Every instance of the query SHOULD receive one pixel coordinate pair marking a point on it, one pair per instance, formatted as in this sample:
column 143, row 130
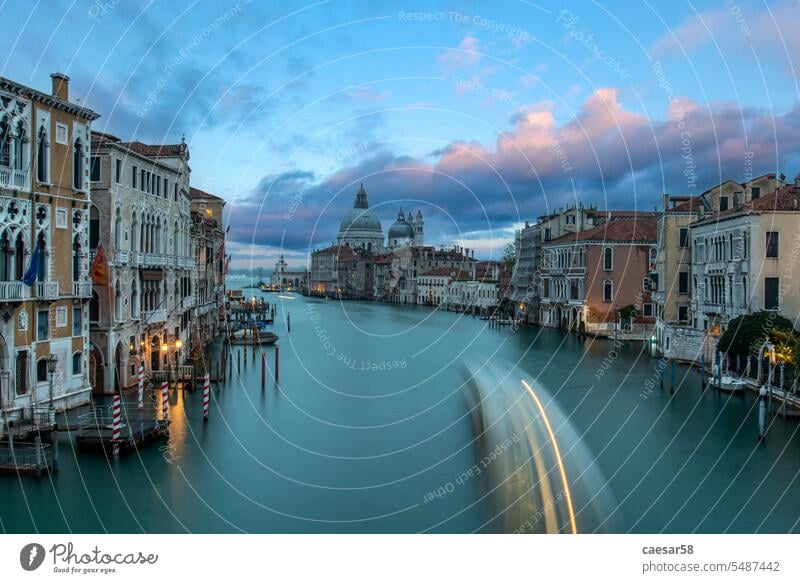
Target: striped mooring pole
column 117, row 426
column 165, row 400
column 140, row 402
column 206, row 397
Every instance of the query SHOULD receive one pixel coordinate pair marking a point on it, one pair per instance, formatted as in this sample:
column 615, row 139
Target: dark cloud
column 606, row 155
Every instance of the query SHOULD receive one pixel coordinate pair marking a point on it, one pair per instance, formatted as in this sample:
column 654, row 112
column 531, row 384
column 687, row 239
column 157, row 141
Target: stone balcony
column 82, row 289
column 154, row 316
column 46, row 290
column 13, row 291
column 12, row 178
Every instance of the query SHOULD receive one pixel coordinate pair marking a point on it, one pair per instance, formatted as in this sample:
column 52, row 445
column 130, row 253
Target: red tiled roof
column 103, row 137
column 783, row 199
column 443, row 271
column 625, row 229
column 691, row 205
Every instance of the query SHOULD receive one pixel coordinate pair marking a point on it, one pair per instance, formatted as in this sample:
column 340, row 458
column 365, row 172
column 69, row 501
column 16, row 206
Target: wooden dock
column 95, row 432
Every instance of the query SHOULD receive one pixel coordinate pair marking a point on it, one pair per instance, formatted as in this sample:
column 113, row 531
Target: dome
column 359, row 220
column 401, row 231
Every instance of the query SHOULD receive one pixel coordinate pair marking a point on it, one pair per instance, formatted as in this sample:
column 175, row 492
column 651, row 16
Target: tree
column 746, row 334
column 509, row 256
column 628, row 312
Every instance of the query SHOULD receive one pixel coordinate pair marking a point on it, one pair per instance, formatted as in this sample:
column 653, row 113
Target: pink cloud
column 468, row 54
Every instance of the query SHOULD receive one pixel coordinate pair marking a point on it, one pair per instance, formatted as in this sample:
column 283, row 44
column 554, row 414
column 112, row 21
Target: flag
column 29, row 278
column 99, row 271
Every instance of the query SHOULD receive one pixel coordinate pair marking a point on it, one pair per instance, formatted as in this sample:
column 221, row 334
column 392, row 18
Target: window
column 61, row 218
column 42, row 324
column 77, row 363
column 61, row 317
column 77, row 165
column 21, row 372
column 62, row 134
column 755, row 192
column 570, row 219
column 94, row 169
column 134, row 175
column 647, row 310
column 608, row 259
column 41, row 370
column 683, row 314
column 684, row 237
column 118, row 171
column 166, row 188
column 77, row 321
column 723, row 203
column 771, row 299
column 683, row 282
column 608, row 290
column 42, row 158
column 772, row 244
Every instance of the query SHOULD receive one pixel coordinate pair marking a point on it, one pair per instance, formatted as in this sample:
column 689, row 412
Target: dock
column 139, row 428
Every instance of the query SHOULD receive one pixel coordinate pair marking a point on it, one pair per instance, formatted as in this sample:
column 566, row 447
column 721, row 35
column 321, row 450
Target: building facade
column 140, row 217
column 45, row 142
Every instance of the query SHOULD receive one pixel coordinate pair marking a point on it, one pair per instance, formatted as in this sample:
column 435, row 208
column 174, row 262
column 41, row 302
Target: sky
column 481, row 115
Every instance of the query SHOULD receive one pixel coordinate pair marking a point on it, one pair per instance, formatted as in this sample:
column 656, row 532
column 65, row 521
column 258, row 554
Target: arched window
column 118, row 230
column 21, row 372
column 6, row 253
column 20, row 140
column 77, row 165
column 608, row 259
column 19, row 257
column 5, row 142
column 745, row 291
column 134, row 232
column 77, row 363
column 76, row 260
column 117, row 302
column 608, row 290
column 42, row 158
column 94, row 308
column 41, row 370
column 134, row 299
column 94, row 227
column 41, row 243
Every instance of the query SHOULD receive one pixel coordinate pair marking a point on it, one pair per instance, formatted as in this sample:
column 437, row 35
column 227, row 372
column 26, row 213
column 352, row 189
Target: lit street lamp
column 52, row 362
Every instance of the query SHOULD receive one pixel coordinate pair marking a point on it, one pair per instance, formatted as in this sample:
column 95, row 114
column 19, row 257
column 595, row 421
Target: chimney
column 60, row 86
column 666, row 201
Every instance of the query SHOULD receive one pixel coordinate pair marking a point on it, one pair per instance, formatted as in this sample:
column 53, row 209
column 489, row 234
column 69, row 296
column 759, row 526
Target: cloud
column 467, row 55
column 606, row 155
column 771, row 32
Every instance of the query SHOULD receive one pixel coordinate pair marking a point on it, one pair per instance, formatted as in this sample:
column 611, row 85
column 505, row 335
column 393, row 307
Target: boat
column 245, row 336
column 731, row 384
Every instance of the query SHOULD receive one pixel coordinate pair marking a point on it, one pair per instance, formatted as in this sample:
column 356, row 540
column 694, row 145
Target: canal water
column 369, row 430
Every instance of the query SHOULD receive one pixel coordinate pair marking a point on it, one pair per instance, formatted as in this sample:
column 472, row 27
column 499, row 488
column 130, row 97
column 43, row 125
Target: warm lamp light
column 164, row 347
column 178, row 344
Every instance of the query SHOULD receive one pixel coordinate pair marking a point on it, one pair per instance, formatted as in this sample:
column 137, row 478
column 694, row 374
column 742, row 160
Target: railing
column 153, row 316
column 47, row 290
column 12, row 178
column 121, row 257
column 13, row 291
column 25, row 457
column 82, row 289
column 188, row 302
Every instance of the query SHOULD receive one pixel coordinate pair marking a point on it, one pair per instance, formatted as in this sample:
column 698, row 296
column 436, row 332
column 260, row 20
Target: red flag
column 99, row 271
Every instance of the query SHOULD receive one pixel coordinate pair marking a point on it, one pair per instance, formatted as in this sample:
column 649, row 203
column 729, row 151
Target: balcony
column 13, row 291
column 11, row 178
column 154, row 316
column 46, row 290
column 188, row 302
column 121, row 257
column 82, row 289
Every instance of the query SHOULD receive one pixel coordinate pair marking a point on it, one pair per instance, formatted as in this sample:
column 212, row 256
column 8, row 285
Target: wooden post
column 263, row 370
column 54, row 444
column 239, row 361
column 277, row 359
column 37, row 445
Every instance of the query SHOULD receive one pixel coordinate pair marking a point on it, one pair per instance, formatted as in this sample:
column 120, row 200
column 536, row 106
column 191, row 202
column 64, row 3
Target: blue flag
column 33, row 269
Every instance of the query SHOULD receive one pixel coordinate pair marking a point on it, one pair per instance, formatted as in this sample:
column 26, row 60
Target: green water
column 369, row 419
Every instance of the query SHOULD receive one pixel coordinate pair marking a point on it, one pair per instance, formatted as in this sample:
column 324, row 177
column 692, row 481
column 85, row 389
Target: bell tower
column 419, row 230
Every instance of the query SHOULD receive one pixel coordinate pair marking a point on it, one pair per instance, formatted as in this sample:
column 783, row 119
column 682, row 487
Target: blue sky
column 483, row 115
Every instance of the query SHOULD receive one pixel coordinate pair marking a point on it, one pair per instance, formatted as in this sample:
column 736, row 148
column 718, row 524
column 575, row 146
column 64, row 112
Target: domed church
column 360, row 228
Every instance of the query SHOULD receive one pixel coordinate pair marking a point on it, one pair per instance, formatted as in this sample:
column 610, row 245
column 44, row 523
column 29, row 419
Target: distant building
column 287, row 279
column 406, row 231
column 589, row 276
column 360, row 228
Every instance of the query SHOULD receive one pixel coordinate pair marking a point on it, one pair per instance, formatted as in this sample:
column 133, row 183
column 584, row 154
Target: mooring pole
column 37, row 444
column 239, row 361
column 762, row 412
column 277, row 360
column 702, row 372
column 263, row 370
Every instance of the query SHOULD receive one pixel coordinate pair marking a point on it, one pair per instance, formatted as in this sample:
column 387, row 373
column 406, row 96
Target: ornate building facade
column 44, row 227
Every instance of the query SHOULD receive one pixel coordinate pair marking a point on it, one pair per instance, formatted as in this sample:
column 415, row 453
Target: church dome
column 360, row 227
column 401, row 229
